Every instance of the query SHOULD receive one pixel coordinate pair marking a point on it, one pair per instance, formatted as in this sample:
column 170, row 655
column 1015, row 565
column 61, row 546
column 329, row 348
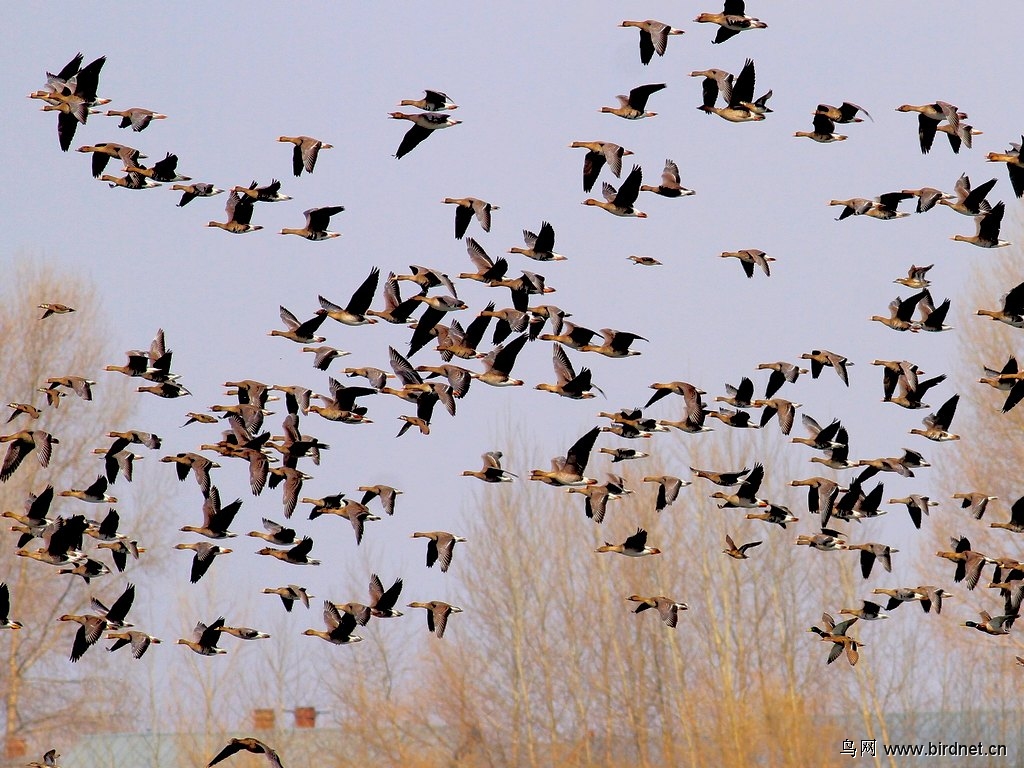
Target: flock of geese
column 285, row 461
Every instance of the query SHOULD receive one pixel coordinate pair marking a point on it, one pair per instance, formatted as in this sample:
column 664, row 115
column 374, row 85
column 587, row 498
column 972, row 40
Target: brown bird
column 305, row 153
column 667, row 608
column 740, row 552
column 437, row 615
column 441, row 546
column 249, row 745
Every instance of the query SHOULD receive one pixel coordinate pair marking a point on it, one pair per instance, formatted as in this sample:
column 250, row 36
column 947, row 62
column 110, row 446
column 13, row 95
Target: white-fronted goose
column 1012, row 312
column 868, row 611
column 204, row 638
column 540, row 246
column 190, row 192
column 21, row 444
column 963, row 134
column 354, row 313
column 615, row 343
column 883, row 207
column 432, row 101
column 324, row 356
column 1016, row 521
column 937, row 424
column 568, row 470
column 653, row 37
column 162, row 170
column 139, row 641
column 915, row 277
column 340, row 627
column 620, row 201
column 870, row 552
column 317, row 221
column 382, row 602
column 824, row 130
column 644, row 261
column 901, row 312
column 668, row 489
column 826, row 541
column 596, row 497
column 899, row 595
column 492, row 471
column 54, row 309
column 90, row 631
column 271, row 193
column 94, row 494
column 668, row 609
column 969, row 202
column 77, row 384
column 844, row 113
column 785, row 409
column 275, row 534
column 239, row 213
column 137, row 118
column 245, row 633
column 928, row 119
column 305, row 153
column 987, row 229
column 741, row 97
column 104, row 151
column 746, row 495
column 5, row 609
column 598, row 154
column 670, row 185
column 499, row 364
column 385, row 493
column 424, row 124
column 467, row 208
column 974, row 502
column 735, row 419
column 297, row 555
column 821, row 358
column 781, row 373
column 249, row 744
column 1014, row 165
column 427, row 278
column 205, row 552
column 437, row 614
column 623, row 454
column 633, row 106
column 716, row 82
column 22, row 408
column 740, row 552
column 132, row 180
column 969, row 562
column 732, row 20
column 290, row 594
column 633, row 546
column 569, row 384
column 927, row 198
column 301, row 333
column 440, row 547
column 933, row 317
column 750, row 258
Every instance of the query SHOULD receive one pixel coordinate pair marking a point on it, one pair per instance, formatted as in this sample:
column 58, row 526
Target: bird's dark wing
column 639, row 95
column 630, row 188
column 743, row 88
column 363, row 297
column 411, row 140
column 579, row 454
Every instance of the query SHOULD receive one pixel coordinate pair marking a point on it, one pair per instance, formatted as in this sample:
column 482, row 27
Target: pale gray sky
column 529, row 79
